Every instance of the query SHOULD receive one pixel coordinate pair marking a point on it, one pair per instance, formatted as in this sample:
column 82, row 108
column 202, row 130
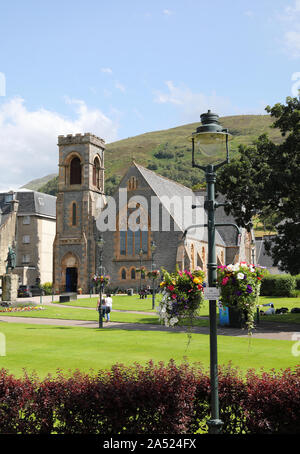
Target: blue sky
column 119, row 69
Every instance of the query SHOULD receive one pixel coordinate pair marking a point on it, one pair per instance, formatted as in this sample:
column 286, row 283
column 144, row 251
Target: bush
column 149, row 399
column 47, row 287
column 297, row 277
column 278, row 285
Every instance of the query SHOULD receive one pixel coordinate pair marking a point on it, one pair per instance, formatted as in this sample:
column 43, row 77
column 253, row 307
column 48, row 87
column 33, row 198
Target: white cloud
column 191, row 104
column 168, row 12
column 120, row 86
column 292, row 43
column 28, row 139
column 106, row 70
column 289, row 20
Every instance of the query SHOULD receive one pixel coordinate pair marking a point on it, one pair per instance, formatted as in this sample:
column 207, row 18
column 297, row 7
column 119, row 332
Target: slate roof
column 31, row 202
column 167, row 189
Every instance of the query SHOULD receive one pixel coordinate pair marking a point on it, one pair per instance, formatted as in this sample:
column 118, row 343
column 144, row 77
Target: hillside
column 168, row 152
column 34, row 185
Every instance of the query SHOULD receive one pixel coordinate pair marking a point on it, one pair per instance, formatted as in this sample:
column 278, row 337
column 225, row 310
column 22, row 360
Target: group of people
column 144, row 292
column 106, row 306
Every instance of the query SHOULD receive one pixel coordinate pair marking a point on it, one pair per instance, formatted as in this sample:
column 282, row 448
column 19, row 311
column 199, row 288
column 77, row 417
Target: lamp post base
column 215, row 426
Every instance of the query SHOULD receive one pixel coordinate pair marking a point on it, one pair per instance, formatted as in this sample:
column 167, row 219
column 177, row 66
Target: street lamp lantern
column 100, row 243
column 210, row 139
column 153, row 247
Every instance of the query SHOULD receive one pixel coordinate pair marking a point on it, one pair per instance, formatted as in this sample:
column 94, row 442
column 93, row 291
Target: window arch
column 96, row 172
column 130, row 243
column 132, row 273
column 75, row 171
column 74, row 213
column 123, row 273
column 132, row 183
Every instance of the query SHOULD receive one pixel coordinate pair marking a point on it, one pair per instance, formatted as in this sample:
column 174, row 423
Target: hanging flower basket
column 154, row 274
column 182, row 296
column 100, row 280
column 239, row 286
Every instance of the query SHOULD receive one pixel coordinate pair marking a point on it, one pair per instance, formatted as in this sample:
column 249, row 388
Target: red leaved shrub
column 149, row 399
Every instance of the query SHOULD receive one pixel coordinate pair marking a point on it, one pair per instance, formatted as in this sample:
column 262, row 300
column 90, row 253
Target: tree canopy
column 265, row 180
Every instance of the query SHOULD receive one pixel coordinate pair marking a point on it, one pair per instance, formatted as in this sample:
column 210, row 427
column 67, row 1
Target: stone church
column 161, row 210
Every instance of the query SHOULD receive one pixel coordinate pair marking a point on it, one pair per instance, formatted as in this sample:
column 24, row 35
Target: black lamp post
column 153, row 248
column 141, row 254
column 212, row 141
column 100, row 244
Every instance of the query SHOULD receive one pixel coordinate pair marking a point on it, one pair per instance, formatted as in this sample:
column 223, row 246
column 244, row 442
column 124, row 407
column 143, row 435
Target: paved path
column 265, row 330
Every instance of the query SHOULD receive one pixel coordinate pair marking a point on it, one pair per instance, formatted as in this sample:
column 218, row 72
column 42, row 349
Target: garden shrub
column 47, row 287
column 278, row 285
column 151, row 399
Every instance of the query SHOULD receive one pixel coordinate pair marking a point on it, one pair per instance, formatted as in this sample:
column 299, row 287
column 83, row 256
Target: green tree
column 265, row 180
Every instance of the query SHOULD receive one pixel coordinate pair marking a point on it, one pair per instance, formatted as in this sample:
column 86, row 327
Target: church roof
column 166, row 190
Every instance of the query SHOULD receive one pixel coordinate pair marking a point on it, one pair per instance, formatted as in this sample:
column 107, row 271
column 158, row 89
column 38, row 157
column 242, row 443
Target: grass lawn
column 133, row 303
column 45, row 349
column 69, row 313
column 279, row 302
column 120, row 302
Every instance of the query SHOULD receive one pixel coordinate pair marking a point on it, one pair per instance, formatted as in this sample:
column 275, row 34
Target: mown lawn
column 133, row 303
column 45, row 349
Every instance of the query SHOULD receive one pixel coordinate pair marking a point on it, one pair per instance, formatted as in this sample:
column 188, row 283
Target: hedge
column 149, row 399
column 278, row 285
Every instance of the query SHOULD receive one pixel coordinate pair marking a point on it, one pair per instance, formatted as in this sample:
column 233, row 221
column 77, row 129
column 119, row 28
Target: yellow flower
column 197, row 280
column 162, row 283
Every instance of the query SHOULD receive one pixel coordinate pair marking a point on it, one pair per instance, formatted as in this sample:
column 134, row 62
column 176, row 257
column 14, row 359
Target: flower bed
column 22, row 309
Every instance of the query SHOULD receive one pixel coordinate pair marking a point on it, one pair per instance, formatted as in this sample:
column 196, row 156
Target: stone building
column 163, row 209
column 27, row 224
column 80, row 198
column 146, row 209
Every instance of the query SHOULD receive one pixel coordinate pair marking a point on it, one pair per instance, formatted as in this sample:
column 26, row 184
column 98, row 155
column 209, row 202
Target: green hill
column 168, row 152
column 34, row 185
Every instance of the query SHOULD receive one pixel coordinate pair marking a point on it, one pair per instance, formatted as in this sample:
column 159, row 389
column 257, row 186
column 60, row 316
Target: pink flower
column 225, row 280
column 171, row 288
column 174, row 296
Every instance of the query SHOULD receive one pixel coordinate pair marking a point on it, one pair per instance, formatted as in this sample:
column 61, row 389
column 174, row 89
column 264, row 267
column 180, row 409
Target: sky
column 120, row 68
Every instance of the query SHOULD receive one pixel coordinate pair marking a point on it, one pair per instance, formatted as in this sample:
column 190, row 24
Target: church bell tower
column 80, row 199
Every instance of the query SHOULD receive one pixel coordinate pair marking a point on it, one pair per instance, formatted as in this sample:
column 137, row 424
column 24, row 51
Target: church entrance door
column 71, row 279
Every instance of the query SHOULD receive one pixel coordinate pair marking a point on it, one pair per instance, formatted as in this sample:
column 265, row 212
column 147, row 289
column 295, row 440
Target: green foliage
column 51, row 187
column 264, row 180
column 278, row 285
column 47, row 287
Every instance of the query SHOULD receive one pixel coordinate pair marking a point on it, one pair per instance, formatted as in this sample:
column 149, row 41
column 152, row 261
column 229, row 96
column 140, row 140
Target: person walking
column 108, row 306
column 103, row 307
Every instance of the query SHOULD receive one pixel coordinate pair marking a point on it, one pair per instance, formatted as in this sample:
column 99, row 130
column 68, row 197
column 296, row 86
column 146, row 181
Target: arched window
column 75, row 171
column 123, row 273
column 132, row 183
column 74, row 213
column 96, row 173
column 132, row 273
column 132, row 242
